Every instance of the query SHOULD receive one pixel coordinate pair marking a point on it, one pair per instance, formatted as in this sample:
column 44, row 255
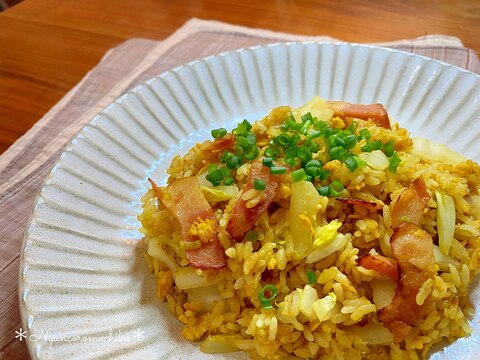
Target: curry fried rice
column 322, row 232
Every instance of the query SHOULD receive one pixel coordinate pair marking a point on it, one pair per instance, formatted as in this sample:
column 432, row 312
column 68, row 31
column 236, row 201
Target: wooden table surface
column 47, row 46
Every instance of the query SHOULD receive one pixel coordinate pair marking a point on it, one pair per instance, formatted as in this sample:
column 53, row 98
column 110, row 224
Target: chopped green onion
column 228, row 180
column 314, row 163
column 307, row 117
column 291, row 152
column 312, row 278
column 266, row 295
column 393, row 162
column 335, row 188
column 218, row 133
column 353, row 126
column 253, row 154
column 238, row 150
column 323, row 174
column 299, row 175
column 277, row 170
column 350, row 141
column 304, row 154
column 377, row 145
column 314, row 134
column 323, row 190
column 234, row 162
column 225, row 171
column 314, row 147
column 364, row 134
column 305, row 126
column 351, row 163
column 338, row 141
column 212, row 168
column 292, row 124
column 284, row 127
column 367, row 148
column 267, row 162
column 361, row 163
column 225, row 156
column 388, row 148
column 291, row 161
column 242, row 142
column 271, row 153
column 251, row 235
column 282, row 139
column 295, row 139
column 242, row 128
column 336, row 152
column 259, row 184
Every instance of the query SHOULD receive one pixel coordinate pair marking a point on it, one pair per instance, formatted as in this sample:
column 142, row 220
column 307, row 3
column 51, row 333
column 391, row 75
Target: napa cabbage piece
column 216, row 193
column 445, row 221
column 155, row 250
column 338, row 242
column 383, row 292
column 298, row 301
column 430, row 151
column 324, row 235
column 376, row 159
column 219, row 193
column 317, row 107
column 187, row 278
column 474, row 202
column 309, row 296
column 305, row 202
column 206, row 296
column 219, row 344
column 373, row 334
column 323, row 307
column 291, row 304
column 443, row 260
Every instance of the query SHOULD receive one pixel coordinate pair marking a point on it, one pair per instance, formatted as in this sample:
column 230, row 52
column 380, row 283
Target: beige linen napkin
column 24, row 166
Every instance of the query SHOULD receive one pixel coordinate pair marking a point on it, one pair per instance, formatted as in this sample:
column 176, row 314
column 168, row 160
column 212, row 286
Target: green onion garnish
column 242, row 128
column 323, row 174
column 271, row 153
column 351, row 163
column 259, row 184
column 393, row 162
column 282, row 139
column 218, row 133
column 267, row 162
column 277, row 170
column 312, row 278
column 228, row 180
column 335, row 188
column 388, row 148
column 307, row 117
column 350, row 141
column 266, row 296
column 323, row 190
column 299, row 175
column 364, row 134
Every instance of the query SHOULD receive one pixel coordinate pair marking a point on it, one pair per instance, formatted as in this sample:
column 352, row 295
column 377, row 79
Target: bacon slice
column 184, row 198
column 242, row 218
column 411, row 204
column 413, row 249
column 381, row 264
column 371, row 205
column 376, row 112
column 217, row 145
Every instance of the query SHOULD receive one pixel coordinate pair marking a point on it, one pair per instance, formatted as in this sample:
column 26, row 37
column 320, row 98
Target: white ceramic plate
column 84, row 293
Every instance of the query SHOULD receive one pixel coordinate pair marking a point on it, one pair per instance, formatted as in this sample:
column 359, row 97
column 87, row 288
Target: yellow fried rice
column 222, row 309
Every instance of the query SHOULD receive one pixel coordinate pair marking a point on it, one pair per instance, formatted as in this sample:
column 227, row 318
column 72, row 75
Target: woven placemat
column 25, row 165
